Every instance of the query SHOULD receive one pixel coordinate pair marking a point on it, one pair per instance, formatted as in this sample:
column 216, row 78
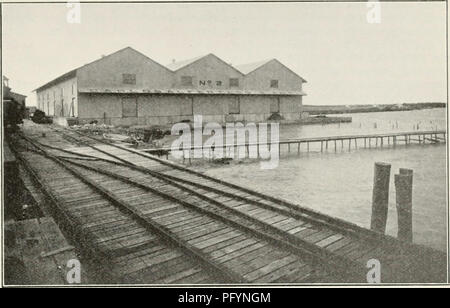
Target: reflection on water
column 340, row 183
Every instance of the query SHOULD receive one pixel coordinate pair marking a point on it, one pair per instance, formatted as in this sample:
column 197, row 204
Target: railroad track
column 119, row 242
column 216, row 249
column 339, row 251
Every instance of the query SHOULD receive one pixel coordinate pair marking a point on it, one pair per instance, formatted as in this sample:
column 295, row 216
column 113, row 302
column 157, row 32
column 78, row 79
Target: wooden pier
column 346, row 142
column 149, row 220
column 371, row 140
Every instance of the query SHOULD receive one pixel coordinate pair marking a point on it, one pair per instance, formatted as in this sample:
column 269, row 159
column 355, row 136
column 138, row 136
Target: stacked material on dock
column 325, row 120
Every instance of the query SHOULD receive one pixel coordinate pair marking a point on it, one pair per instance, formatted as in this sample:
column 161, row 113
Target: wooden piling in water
column 405, row 171
column 380, row 197
column 403, row 194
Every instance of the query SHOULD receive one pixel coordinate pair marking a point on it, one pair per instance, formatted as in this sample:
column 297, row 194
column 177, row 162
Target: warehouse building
column 129, row 88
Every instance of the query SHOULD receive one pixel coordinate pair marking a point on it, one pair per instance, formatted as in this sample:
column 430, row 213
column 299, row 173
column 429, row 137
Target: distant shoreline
column 340, row 109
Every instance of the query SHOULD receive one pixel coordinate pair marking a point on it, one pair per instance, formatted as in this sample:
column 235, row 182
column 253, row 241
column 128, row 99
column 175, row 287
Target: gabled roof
column 243, row 69
column 251, row 67
column 175, row 66
column 73, row 72
column 17, row 95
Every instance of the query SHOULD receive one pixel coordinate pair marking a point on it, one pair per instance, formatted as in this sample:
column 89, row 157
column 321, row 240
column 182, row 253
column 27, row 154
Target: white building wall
column 57, row 100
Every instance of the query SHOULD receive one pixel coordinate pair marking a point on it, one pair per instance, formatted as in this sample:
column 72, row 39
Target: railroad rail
column 197, row 234
column 327, row 249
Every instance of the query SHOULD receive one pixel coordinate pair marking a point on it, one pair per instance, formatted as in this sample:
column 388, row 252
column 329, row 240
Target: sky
column 344, row 59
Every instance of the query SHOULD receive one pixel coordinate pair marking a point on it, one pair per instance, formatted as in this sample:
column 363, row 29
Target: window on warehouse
column 234, row 82
column 129, row 78
column 186, row 81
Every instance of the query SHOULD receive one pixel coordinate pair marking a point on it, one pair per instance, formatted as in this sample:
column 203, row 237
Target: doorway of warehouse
column 129, row 107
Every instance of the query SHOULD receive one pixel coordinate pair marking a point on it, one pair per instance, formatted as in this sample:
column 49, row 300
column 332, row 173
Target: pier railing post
column 403, row 194
column 380, row 197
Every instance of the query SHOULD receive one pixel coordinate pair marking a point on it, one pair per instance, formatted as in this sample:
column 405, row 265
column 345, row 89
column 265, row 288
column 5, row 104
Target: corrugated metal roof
column 250, row 67
column 191, row 91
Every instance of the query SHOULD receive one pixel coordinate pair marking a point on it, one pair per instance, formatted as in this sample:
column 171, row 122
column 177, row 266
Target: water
column 340, row 183
column 372, row 123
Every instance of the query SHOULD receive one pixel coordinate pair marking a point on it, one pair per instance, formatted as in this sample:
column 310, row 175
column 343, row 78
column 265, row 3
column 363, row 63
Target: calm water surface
column 340, row 183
